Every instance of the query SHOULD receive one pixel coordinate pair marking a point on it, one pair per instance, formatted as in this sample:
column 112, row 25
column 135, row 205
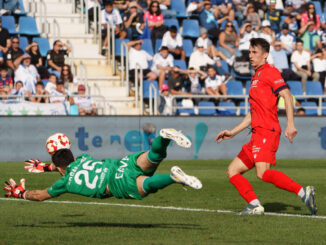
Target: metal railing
column 56, row 30
column 111, row 47
column 137, row 83
column 82, row 73
column 152, row 89
column 124, row 67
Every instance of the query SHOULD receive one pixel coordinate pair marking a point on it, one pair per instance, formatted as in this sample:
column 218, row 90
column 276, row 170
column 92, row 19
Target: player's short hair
column 260, row 42
column 299, row 40
column 62, row 158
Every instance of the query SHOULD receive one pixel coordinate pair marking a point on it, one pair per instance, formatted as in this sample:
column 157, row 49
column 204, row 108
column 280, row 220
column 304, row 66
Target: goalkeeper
column 131, row 177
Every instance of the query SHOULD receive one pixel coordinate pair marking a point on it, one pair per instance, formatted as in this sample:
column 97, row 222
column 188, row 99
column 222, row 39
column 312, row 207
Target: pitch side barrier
column 117, row 136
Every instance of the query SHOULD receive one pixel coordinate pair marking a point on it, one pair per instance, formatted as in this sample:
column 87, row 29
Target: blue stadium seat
column 172, row 22
column 22, row 8
column 43, row 45
column 243, row 110
column 158, row 44
column 248, row 84
column 146, row 88
column 188, row 47
column 314, row 88
column 148, row 46
column 206, row 111
column 235, row 24
column 9, row 23
column 185, row 111
column 224, row 69
column 181, row 64
column 295, row 87
column 27, row 26
column 23, row 43
column 229, row 111
column 318, row 8
column 324, row 109
column 190, row 28
column 179, row 6
column 234, row 87
column 118, row 46
column 310, row 111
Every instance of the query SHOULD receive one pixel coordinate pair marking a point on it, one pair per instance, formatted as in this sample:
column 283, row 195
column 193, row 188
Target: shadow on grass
column 121, row 225
column 278, row 207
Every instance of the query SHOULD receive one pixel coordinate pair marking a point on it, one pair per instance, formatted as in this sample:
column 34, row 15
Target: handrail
column 137, row 84
column 32, row 7
column 56, row 30
column 43, row 20
column 152, row 88
column 124, row 68
column 72, row 58
column 83, row 76
column 114, row 68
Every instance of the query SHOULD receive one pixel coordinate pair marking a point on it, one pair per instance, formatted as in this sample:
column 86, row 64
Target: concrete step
column 56, row 7
column 60, row 18
column 91, row 61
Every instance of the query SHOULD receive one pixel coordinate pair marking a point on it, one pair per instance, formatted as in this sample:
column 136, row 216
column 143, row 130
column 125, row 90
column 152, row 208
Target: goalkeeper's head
column 62, row 158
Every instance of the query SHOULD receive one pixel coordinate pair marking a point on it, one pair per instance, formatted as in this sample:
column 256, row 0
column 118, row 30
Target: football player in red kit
column 267, row 85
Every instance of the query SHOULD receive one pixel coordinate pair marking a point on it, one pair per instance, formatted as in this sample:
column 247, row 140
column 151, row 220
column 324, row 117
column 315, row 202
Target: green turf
column 50, row 223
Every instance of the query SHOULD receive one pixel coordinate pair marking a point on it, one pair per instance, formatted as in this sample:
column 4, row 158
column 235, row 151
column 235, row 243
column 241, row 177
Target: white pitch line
column 166, row 208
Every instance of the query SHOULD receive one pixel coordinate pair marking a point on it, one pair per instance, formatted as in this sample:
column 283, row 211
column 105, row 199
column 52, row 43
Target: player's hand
column 223, row 135
column 290, row 133
column 35, row 166
column 15, row 190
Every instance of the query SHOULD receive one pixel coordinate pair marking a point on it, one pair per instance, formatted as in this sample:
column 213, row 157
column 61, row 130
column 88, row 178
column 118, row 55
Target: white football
column 56, row 142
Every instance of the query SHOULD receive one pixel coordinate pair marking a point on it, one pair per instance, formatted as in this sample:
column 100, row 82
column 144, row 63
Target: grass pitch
column 23, row 222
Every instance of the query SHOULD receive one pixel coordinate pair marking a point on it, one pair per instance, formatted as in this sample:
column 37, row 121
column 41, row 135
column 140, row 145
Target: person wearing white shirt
column 319, row 62
column 86, row 105
column 287, row 39
column 51, row 84
column 200, row 59
column 246, row 33
column 27, row 73
column 111, row 17
column 59, row 95
column 300, row 60
column 214, row 84
column 139, row 57
column 266, row 32
column 173, row 40
column 162, row 64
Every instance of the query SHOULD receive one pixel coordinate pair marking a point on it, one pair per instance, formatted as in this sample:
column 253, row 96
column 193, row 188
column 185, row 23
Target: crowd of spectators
column 296, row 33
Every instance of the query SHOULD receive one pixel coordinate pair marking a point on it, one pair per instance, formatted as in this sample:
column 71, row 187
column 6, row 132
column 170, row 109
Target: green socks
column 156, row 182
column 158, row 150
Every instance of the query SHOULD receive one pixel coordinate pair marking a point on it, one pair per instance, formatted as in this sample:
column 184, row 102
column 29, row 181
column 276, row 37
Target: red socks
column 281, row 181
column 244, row 187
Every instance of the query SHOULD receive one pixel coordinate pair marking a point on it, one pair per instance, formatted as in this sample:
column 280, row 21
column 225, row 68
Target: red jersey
column 265, row 86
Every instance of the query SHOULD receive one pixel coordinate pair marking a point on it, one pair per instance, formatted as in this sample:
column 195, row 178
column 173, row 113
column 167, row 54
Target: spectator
column 121, row 5
column 165, row 103
column 14, row 55
column 66, row 76
column 27, row 73
column 319, row 64
column 260, row 7
column 194, row 7
column 86, row 105
column 208, row 20
column 301, row 64
column 297, row 4
column 154, row 19
column 287, row 39
column 310, row 15
column 60, row 93
column 9, row 5
column 19, row 89
column 111, row 17
column 91, row 7
column 164, row 4
column 176, row 82
column 273, row 16
column 223, row 10
column 279, row 55
column 253, row 17
column 52, row 84
column 133, row 22
column 56, row 57
column 5, row 41
column 195, row 78
column 199, row 59
column 6, row 82
column 292, row 17
column 40, row 91
column 162, row 64
column 33, row 50
column 229, row 41
column 140, row 57
column 246, row 33
column 173, row 40
column 310, row 37
column 266, row 32
column 214, row 84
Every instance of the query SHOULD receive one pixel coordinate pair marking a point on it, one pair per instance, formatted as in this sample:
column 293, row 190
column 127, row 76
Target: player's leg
column 282, row 181
column 150, row 159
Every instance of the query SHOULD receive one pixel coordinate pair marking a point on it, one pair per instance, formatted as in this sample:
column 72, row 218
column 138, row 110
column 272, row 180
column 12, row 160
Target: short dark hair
column 299, row 40
column 62, row 158
column 39, row 83
column 164, row 48
column 108, row 3
column 55, row 42
column 3, row 68
column 173, row 29
column 211, row 67
column 261, row 42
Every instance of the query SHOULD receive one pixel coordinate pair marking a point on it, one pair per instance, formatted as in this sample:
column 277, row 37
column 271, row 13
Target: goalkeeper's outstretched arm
column 37, row 195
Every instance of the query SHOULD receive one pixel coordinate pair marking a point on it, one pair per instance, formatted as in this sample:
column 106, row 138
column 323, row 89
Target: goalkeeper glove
column 15, row 190
column 35, row 166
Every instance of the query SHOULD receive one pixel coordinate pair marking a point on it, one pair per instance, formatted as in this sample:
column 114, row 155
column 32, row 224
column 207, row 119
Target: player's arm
column 227, row 134
column 18, row 191
column 290, row 131
column 36, row 166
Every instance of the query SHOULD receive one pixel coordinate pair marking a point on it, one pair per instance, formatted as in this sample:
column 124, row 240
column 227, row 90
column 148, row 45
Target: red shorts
column 261, row 148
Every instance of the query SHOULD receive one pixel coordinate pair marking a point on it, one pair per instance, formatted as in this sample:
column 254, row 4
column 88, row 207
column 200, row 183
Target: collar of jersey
column 260, row 67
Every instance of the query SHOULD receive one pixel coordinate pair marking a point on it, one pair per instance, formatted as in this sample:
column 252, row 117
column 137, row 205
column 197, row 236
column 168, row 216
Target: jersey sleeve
column 276, row 81
column 58, row 187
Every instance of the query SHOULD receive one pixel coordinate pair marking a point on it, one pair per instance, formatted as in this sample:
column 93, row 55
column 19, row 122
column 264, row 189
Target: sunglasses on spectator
column 229, row 25
column 15, row 42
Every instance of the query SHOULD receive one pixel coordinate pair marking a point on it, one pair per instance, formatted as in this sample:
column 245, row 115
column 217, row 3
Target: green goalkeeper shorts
column 122, row 180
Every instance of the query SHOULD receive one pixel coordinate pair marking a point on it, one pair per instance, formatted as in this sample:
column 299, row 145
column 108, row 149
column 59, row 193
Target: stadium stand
column 27, row 26
column 206, row 108
column 44, row 45
column 310, row 107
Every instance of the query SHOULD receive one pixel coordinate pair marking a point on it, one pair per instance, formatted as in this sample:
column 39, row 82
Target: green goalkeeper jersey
column 86, row 176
